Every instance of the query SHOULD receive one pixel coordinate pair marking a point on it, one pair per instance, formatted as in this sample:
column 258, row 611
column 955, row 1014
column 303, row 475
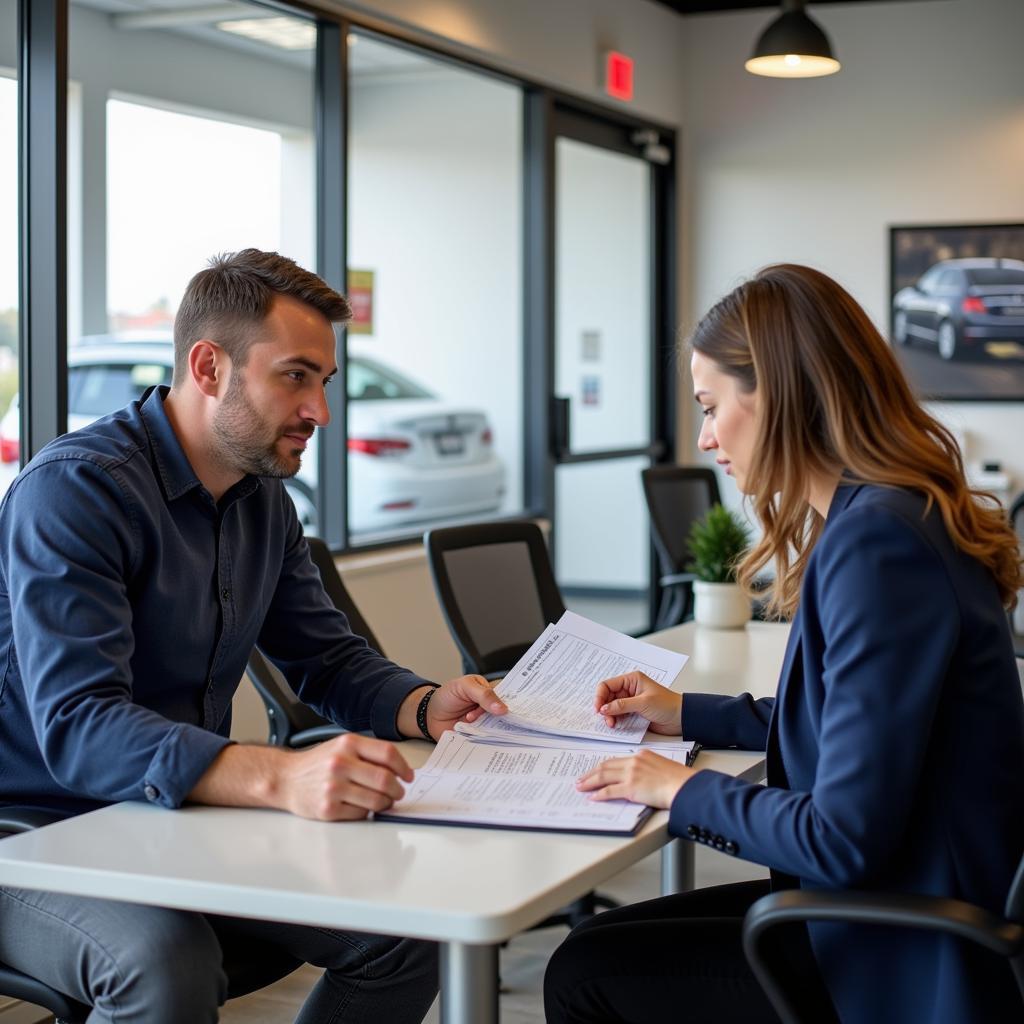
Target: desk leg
column 676, row 867
column 469, row 984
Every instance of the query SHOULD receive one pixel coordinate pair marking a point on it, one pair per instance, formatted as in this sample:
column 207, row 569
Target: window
column 434, row 249
column 175, row 168
column 9, row 447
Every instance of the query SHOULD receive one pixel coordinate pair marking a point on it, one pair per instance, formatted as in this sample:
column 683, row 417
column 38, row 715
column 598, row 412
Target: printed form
column 519, row 770
column 551, row 688
column 476, row 782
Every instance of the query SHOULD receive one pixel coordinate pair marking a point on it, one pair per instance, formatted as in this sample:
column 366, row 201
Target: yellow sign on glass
column 360, row 295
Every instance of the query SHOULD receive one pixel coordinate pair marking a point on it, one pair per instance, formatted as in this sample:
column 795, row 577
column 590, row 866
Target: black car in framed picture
column 957, row 308
column 962, row 306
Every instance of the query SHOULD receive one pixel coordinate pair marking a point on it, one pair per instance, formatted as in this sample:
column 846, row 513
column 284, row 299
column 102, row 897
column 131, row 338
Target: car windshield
column 370, row 382
column 996, row 275
column 97, row 389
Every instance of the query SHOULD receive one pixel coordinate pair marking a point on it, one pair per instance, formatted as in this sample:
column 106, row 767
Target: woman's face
column 730, row 418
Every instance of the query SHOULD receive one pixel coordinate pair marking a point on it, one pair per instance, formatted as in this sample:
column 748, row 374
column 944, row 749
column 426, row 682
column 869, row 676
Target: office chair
column 249, row 966
column 497, row 592
column 496, row 588
column 1002, row 935
column 677, row 496
column 292, row 723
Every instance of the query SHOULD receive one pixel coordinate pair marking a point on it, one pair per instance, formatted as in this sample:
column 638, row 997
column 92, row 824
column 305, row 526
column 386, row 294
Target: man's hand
column 460, row 700
column 463, row 699
column 343, row 779
column 636, row 692
column 645, row 778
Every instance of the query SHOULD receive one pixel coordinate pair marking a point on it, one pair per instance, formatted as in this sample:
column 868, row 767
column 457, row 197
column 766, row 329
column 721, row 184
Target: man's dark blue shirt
column 129, row 603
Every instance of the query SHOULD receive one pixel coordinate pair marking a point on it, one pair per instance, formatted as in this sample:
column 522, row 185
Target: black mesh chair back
column 677, row 496
column 292, row 723
column 496, row 588
column 336, row 591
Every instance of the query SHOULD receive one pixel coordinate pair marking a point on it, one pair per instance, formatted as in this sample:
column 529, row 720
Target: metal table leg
column 676, row 867
column 469, row 984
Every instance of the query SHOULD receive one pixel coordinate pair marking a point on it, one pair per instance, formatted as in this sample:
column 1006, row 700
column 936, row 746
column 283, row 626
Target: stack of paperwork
column 519, row 770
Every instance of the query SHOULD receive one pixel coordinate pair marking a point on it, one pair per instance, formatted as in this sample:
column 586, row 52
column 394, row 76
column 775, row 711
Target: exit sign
column 618, row 75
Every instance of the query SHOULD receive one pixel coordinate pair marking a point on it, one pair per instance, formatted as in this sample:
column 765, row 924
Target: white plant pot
column 720, row 605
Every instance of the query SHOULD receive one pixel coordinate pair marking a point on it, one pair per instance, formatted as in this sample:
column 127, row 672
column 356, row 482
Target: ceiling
column 720, row 6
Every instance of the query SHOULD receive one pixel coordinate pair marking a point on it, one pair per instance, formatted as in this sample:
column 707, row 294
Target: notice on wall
column 590, row 390
column 590, row 346
column 360, row 295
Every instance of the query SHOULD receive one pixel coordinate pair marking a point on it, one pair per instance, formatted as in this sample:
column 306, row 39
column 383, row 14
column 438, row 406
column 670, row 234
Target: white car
column 412, row 458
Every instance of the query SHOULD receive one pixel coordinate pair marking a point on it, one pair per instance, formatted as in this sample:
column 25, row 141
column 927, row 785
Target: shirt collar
column 845, row 493
column 176, row 472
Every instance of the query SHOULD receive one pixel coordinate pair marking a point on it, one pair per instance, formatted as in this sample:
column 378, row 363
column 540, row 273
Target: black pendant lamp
column 793, row 46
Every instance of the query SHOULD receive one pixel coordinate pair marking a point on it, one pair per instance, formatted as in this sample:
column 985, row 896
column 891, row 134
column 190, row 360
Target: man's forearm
column 244, row 775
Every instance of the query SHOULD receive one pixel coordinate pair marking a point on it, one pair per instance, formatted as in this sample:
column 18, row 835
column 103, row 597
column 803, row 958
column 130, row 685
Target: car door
column 919, row 308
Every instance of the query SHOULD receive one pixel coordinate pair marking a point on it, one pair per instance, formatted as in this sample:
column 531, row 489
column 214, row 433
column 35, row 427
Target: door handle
column 560, row 441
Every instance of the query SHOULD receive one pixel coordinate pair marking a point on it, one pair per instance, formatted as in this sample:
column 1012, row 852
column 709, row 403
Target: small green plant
column 716, row 543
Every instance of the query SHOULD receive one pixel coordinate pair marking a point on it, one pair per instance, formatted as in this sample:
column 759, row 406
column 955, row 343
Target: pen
column 692, row 755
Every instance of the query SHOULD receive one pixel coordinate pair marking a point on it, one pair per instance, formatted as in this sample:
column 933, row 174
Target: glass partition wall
column 435, row 255
column 9, row 446
column 500, row 259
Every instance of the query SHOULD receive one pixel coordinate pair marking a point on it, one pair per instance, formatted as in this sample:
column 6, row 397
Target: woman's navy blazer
column 895, row 750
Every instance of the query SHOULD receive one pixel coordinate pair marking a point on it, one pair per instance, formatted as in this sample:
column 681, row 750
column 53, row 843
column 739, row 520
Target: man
column 141, row 558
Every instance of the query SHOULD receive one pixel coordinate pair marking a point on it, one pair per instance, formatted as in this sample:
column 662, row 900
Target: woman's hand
column 636, row 692
column 645, row 778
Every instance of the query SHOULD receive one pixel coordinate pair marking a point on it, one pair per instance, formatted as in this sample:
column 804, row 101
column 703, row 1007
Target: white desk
column 470, row 889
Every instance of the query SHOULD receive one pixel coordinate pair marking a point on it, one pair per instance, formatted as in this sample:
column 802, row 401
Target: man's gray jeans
column 150, row 965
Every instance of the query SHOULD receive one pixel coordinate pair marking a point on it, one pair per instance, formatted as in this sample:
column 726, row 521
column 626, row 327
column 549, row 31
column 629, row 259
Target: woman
column 895, row 744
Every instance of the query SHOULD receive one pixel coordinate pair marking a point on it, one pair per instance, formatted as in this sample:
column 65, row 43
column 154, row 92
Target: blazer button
column 719, row 842
column 731, row 847
column 692, row 831
column 705, row 835
column 151, row 792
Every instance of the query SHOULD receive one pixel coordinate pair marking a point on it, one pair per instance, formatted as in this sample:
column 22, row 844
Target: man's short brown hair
column 229, row 300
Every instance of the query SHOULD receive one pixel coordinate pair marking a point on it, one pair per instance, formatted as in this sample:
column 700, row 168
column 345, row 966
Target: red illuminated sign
column 618, row 75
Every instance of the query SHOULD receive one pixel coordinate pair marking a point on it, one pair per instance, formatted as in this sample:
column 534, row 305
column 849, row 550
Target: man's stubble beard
column 243, row 440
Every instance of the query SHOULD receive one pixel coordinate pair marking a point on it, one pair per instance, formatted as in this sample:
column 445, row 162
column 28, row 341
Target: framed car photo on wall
column 957, row 309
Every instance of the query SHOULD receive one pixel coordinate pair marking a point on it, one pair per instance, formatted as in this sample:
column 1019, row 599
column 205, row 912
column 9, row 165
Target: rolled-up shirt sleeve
column 67, row 566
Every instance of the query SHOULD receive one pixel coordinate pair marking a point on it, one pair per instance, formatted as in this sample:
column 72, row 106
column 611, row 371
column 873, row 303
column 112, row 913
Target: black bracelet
column 421, row 712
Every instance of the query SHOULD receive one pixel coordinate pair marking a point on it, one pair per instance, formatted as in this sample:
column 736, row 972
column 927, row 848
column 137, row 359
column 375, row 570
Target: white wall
column 924, row 124
column 556, row 42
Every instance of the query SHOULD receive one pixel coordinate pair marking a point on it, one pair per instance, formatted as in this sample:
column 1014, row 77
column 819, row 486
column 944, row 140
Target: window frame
column 43, row 229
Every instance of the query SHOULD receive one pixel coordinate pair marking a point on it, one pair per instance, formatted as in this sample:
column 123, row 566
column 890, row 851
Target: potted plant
column 716, row 543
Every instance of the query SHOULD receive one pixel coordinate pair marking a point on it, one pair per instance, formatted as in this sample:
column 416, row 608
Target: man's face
column 276, row 399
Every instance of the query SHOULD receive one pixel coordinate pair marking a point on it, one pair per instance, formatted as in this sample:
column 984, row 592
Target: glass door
column 608, row 406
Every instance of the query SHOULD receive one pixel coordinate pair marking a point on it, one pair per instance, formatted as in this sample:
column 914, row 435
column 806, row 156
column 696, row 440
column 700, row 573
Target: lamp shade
column 793, row 46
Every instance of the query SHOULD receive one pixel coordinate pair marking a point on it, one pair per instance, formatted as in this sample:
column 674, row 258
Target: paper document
column 551, row 688
column 519, row 770
column 473, row 781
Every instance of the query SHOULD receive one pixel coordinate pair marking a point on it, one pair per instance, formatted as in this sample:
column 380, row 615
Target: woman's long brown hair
column 831, row 398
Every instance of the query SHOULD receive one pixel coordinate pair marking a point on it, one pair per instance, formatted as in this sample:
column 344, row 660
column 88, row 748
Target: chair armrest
column 675, row 579
column 319, row 733
column 789, row 994
column 23, row 819
column 901, row 910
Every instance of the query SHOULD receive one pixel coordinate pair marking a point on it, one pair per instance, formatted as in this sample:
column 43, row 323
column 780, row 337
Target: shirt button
column 226, row 593
column 152, row 793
